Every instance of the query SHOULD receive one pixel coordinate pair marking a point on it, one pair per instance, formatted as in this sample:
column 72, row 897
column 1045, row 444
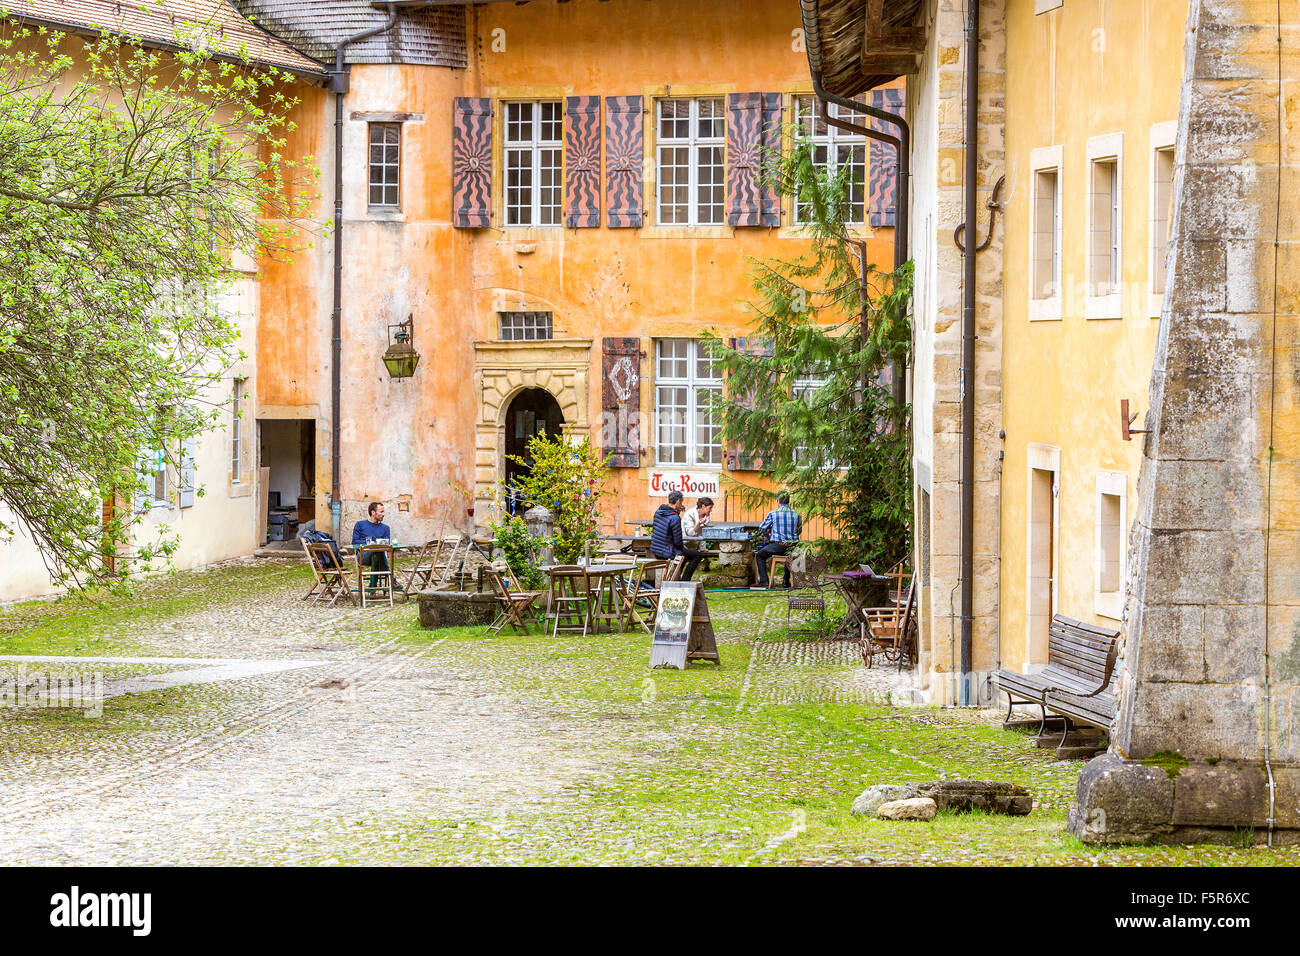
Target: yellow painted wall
column 1088, row 68
column 417, row 437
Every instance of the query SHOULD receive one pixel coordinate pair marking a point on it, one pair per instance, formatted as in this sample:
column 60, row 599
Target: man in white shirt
column 695, row 519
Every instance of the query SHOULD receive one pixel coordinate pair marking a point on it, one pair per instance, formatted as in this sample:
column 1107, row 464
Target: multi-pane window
column 1104, row 227
column 835, row 149
column 1047, row 234
column 236, row 430
column 519, row 326
column 534, row 163
column 385, row 164
column 688, row 430
column 1162, row 200
column 691, row 151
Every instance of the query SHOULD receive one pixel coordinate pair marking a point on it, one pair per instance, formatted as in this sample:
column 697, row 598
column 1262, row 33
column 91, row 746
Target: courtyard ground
column 355, row 736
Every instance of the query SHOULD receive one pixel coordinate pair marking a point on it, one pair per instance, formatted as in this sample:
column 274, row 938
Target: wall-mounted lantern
column 401, row 357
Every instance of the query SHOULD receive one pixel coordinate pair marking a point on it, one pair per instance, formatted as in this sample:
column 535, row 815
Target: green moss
column 1170, row 761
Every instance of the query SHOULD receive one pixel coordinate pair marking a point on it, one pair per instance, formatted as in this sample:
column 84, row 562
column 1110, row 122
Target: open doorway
column 534, row 411
column 287, row 448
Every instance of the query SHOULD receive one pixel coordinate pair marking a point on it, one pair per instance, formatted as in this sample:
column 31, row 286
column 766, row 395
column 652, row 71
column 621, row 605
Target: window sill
column 687, row 232
column 1045, row 310
column 1108, row 604
column 1155, row 304
column 1103, row 306
column 241, row 489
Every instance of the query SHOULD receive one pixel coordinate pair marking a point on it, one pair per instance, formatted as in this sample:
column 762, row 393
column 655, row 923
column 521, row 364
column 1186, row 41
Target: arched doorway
column 534, row 411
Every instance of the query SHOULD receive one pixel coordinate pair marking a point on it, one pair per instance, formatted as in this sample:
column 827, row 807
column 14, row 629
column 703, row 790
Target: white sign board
column 689, row 483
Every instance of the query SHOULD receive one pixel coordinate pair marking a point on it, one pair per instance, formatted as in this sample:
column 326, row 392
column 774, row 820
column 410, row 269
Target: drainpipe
column 338, row 85
column 902, row 144
column 968, row 349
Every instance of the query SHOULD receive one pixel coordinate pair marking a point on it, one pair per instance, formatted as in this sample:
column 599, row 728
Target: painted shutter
column 737, row 458
column 471, row 163
column 188, row 472
column 883, row 182
column 624, row 154
column 753, row 137
column 620, row 401
column 582, row 162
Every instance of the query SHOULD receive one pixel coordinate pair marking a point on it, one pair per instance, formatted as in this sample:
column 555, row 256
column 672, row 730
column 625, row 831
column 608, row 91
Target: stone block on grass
column 917, row 808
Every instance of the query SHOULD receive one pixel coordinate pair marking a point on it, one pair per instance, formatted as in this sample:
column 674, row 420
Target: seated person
column 666, row 535
column 783, row 527
column 366, row 532
column 693, row 521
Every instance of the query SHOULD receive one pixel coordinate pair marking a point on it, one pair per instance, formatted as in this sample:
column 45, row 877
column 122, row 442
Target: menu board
column 683, row 628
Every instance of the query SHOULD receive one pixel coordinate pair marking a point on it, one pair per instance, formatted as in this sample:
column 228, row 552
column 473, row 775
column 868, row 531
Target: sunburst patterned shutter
column 744, row 159
column 624, row 154
column 883, row 197
column 771, row 158
column 582, row 162
column 471, row 163
column 737, row 458
column 620, row 401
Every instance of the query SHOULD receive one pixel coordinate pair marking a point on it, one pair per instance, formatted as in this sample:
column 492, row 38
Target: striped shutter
column 624, row 154
column 753, row 138
column 620, row 401
column 883, row 181
column 471, row 163
column 582, row 162
column 737, row 458
column 188, row 472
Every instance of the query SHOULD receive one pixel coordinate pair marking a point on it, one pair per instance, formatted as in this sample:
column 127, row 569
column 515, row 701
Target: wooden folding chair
column 380, row 580
column 570, row 599
column 633, row 592
column 420, row 575
column 517, row 607
column 333, row 578
column 674, row 570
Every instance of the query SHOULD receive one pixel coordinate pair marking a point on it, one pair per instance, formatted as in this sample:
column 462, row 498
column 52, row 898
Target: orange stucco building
column 560, row 196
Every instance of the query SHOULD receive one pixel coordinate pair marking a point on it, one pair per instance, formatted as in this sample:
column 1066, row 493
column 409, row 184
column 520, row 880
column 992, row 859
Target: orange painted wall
column 416, row 437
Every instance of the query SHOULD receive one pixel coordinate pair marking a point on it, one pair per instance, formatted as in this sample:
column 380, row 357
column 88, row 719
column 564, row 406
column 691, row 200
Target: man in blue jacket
column 666, row 535
column 367, row 532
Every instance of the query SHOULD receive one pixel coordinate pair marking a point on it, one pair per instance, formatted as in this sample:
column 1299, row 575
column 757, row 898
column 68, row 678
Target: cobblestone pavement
column 306, row 765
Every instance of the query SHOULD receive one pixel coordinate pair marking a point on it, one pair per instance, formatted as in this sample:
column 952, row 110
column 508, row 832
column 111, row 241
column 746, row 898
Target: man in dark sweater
column 368, row 532
column 666, row 535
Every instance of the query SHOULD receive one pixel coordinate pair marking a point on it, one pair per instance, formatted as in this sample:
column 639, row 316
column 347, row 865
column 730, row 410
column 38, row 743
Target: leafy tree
column 512, row 537
column 129, row 178
column 813, row 404
column 567, row 479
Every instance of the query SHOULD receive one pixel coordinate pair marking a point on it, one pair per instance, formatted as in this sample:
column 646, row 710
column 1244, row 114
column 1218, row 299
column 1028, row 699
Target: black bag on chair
column 320, row 537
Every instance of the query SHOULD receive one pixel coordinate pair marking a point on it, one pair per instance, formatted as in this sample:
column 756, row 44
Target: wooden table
column 603, row 601
column 858, row 591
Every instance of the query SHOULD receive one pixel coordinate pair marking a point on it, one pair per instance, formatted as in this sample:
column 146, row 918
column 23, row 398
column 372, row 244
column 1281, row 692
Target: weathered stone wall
column 938, row 209
column 1210, row 683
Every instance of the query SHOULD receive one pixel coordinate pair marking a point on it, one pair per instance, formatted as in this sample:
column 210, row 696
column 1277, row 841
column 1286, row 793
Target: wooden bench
column 1078, row 682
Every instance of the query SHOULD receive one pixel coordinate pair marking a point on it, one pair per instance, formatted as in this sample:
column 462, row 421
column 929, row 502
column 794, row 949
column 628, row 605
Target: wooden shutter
column 620, row 401
column 624, row 154
column 737, row 458
column 582, row 162
column 753, row 137
column 188, row 470
column 471, row 163
column 883, row 182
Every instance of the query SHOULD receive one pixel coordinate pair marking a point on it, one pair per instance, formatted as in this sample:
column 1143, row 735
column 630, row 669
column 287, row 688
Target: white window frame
column 1163, row 137
column 1046, row 159
column 1041, row 458
column 543, row 155
column 237, row 432
column 1109, row 305
column 833, row 140
column 1111, row 603
column 383, row 165
column 532, row 325
column 695, row 386
column 694, row 144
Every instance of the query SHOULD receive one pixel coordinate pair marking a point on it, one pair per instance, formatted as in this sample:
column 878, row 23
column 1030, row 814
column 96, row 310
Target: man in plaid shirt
column 783, row 527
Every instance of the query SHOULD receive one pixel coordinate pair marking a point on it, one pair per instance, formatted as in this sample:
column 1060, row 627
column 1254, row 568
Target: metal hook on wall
column 995, row 206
